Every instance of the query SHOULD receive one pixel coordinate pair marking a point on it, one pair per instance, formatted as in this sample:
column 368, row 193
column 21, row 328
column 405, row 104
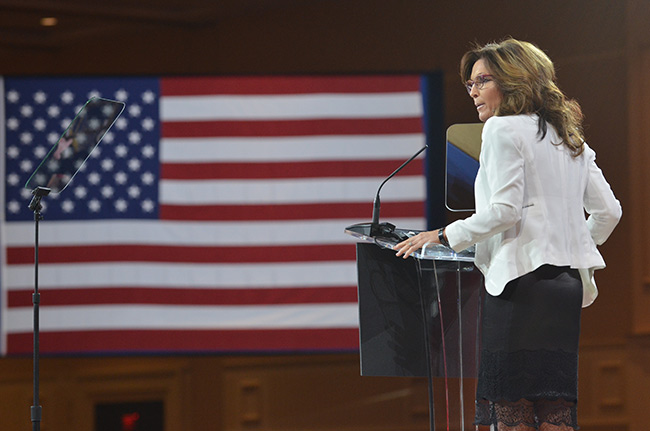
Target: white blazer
column 531, row 197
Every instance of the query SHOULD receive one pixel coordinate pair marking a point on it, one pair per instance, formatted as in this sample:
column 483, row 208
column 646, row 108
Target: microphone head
column 375, row 210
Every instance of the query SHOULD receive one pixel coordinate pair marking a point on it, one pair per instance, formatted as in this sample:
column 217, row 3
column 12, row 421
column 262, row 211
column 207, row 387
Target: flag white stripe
column 290, row 148
column 289, row 191
column 160, row 317
column 290, row 107
column 150, row 232
column 182, row 275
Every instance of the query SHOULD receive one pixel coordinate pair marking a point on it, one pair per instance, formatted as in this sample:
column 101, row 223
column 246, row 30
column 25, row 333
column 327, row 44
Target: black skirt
column 528, row 372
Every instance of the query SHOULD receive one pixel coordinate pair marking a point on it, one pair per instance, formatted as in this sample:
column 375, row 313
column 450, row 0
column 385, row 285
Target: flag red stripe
column 180, row 254
column 180, row 296
column 200, row 86
column 353, row 126
column 160, row 341
column 321, row 169
column 353, row 211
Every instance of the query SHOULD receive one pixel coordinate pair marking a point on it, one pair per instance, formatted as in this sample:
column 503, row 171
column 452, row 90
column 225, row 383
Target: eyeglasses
column 479, row 82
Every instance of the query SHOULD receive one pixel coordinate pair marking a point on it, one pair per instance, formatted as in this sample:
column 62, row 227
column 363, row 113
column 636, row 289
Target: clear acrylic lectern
column 419, row 317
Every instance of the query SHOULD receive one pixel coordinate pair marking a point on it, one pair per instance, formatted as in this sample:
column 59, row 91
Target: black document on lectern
column 394, row 314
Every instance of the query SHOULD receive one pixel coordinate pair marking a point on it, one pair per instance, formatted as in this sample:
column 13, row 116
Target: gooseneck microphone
column 377, row 202
column 375, row 228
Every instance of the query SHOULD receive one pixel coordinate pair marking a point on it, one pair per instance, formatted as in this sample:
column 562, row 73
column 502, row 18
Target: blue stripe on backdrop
column 434, row 129
column 2, row 213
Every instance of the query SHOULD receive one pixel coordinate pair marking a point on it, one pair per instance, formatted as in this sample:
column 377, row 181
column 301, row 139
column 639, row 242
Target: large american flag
column 211, row 216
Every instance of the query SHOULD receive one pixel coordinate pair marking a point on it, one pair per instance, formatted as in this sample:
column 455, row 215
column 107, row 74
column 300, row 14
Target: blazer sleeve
column 502, row 161
column 599, row 202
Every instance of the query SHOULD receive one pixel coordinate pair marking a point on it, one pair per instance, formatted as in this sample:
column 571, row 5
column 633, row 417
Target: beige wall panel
column 640, row 185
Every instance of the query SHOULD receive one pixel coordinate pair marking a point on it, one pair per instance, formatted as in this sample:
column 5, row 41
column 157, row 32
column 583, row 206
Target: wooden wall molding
column 638, row 211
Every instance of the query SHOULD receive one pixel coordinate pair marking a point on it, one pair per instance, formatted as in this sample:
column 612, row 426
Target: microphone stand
column 35, row 206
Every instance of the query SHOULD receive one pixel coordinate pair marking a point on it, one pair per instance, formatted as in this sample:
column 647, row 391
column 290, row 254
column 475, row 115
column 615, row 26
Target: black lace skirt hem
column 531, row 413
column 528, row 374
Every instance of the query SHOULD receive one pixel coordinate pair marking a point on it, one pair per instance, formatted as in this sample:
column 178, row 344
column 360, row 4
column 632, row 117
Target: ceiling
column 147, row 37
column 81, row 20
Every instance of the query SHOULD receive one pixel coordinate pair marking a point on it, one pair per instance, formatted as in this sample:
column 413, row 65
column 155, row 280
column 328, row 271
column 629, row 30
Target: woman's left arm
column 600, row 203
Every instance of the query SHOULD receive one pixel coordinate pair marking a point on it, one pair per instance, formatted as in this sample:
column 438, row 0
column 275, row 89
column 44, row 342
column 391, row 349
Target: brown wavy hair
column 526, row 77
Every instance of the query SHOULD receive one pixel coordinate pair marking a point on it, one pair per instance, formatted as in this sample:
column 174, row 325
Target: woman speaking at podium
column 534, row 245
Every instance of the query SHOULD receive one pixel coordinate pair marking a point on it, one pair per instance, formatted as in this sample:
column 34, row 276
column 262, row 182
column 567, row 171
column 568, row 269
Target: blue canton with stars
column 119, row 179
